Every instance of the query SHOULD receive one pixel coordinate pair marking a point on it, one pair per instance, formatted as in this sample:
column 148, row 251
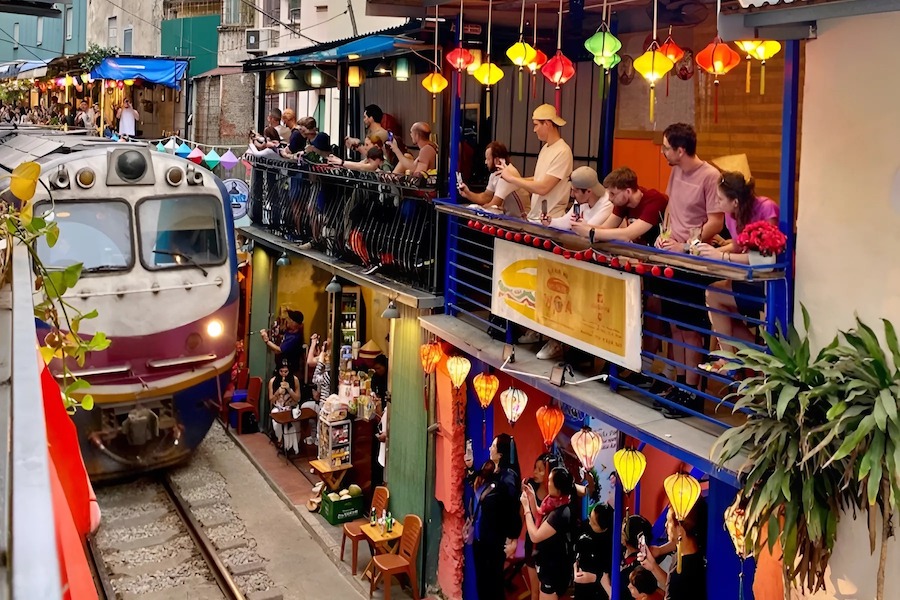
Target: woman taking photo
column 538, row 483
column 549, row 527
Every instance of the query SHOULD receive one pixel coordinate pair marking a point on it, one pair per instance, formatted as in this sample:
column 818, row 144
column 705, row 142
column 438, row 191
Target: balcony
column 379, row 225
column 680, row 308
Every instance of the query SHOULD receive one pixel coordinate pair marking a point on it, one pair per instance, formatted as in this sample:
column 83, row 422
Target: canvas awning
column 32, row 70
column 162, row 71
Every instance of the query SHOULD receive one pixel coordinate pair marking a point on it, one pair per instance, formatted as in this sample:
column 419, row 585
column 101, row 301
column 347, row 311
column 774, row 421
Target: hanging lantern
column 559, row 69
column 717, row 59
column 653, row 65
column 355, row 76
column 735, row 518
column 683, row 492
column 764, row 51
column 401, row 69
column 68, row 80
column 430, row 354
column 586, row 444
column 458, row 367
column 460, row 58
column 315, row 78
column 120, row 84
column 129, row 82
column 196, row 156
column 229, row 159
column 673, row 52
column 435, row 82
column 85, row 77
column 630, row 465
column 513, row 401
column 521, row 53
column 747, row 46
column 486, row 386
column 487, row 74
column 550, row 421
column 212, row 159
column 603, row 44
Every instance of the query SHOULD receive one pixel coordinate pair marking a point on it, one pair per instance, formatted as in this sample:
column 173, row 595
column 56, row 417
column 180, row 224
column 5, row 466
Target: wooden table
column 383, row 542
column 285, row 418
column 332, row 476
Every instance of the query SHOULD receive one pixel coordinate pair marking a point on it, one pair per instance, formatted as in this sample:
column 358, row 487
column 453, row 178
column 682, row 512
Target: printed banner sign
column 238, row 193
column 584, row 305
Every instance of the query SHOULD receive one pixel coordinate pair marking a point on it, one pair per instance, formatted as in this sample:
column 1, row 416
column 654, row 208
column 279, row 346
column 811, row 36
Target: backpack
column 249, row 423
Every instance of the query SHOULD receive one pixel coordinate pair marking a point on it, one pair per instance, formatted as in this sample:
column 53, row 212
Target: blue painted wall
column 54, row 42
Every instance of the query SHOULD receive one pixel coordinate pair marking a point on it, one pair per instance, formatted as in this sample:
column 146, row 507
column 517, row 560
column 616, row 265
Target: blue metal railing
column 380, row 221
column 28, row 551
column 702, row 305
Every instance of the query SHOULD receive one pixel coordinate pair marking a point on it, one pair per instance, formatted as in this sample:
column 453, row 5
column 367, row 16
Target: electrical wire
column 280, row 22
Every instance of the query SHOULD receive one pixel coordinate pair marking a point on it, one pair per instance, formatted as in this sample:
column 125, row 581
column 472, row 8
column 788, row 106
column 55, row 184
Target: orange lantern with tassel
column 430, row 355
column 673, row 52
column 717, row 59
column 486, row 386
column 550, row 421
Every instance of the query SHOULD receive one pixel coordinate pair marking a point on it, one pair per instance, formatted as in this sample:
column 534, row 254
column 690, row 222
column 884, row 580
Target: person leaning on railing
column 738, row 200
column 636, row 210
column 499, row 194
column 374, row 157
column 591, row 207
column 420, row 133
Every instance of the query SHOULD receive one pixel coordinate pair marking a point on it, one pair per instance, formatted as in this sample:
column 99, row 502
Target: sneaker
column 639, row 380
column 532, row 337
column 551, row 350
column 310, row 441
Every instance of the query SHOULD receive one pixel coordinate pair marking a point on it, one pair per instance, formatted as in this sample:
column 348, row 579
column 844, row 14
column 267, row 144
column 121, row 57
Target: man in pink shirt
column 693, row 214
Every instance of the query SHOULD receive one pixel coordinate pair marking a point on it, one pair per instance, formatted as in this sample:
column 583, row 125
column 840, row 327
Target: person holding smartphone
column 690, row 583
column 591, row 208
column 499, row 194
column 593, row 556
column 284, row 394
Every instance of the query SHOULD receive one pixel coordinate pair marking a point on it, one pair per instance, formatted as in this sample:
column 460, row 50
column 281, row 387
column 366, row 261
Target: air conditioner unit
column 260, row 40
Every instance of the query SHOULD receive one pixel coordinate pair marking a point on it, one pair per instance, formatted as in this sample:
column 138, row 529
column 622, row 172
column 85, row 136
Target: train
column 154, row 233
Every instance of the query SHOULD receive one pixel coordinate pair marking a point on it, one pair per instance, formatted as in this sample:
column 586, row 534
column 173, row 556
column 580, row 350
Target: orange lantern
column 550, row 421
column 586, row 444
column 430, row 354
column 717, row 59
column 486, row 386
column 747, row 46
column 673, row 52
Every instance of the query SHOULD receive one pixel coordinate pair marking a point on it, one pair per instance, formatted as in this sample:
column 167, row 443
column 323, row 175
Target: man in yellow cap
column 550, row 186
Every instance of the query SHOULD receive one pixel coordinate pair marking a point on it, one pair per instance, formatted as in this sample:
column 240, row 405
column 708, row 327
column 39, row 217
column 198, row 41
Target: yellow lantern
column 586, row 444
column 521, row 54
column 488, row 73
column 476, row 61
column 458, row 367
column 736, row 523
column 85, row 77
column 683, row 492
column 653, row 66
column 630, row 466
column 764, row 51
column 486, row 386
column 434, row 83
column 513, row 401
column 355, row 76
column 430, row 355
column 747, row 47
column 68, row 80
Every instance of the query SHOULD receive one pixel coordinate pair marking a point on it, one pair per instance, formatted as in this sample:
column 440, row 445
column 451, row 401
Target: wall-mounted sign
column 238, row 193
column 587, row 306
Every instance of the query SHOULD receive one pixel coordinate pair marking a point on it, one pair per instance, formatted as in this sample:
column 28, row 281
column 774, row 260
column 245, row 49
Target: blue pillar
column 723, row 566
column 475, row 416
column 455, row 127
column 608, row 120
column 780, row 296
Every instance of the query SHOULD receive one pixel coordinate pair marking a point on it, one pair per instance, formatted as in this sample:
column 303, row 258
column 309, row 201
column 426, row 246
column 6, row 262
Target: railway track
column 160, row 538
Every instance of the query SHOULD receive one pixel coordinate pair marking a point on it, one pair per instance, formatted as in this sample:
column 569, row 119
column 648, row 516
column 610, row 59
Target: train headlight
column 174, row 176
column 215, row 328
column 85, row 178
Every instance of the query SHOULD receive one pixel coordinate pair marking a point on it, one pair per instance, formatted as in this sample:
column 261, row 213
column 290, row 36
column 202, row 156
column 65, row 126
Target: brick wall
column 225, row 109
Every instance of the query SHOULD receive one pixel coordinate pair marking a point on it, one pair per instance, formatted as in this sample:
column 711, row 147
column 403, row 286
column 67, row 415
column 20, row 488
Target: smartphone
column 459, row 180
column 576, row 210
column 544, row 206
column 390, row 136
column 642, row 544
column 469, row 453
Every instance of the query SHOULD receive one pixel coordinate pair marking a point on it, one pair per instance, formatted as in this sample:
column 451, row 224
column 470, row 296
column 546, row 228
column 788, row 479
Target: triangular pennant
column 229, row 160
column 212, row 159
column 170, row 146
column 183, row 150
column 196, row 156
column 160, row 147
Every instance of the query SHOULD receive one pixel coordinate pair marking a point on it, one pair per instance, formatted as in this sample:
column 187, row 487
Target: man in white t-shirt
column 499, row 195
column 550, row 184
column 127, row 116
column 592, row 202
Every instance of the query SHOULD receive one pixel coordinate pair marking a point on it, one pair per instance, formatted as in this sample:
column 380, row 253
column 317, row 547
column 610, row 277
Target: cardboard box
column 342, row 511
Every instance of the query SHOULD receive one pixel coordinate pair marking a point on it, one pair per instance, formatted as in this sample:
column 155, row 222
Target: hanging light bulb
column 559, row 69
column 315, row 78
column 653, row 65
column 383, row 68
column 521, row 53
column 334, row 286
column 355, row 76
column 488, row 73
column 401, row 69
column 391, row 312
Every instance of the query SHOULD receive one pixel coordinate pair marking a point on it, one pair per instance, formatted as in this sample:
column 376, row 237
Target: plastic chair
column 352, row 529
column 254, row 387
column 239, row 386
column 402, row 562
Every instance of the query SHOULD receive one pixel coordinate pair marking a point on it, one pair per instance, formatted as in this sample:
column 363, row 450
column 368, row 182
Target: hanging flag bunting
column 196, row 156
column 212, row 159
column 183, row 150
column 160, row 147
column 229, row 160
column 170, row 146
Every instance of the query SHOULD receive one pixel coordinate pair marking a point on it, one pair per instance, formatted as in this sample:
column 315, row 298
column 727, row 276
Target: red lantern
column 518, row 237
column 120, row 85
column 558, row 69
column 717, row 59
column 673, row 52
column 527, row 239
column 547, row 244
column 536, row 242
column 550, row 421
column 460, row 59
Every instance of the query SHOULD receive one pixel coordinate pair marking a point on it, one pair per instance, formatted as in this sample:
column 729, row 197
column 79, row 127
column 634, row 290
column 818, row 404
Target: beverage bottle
column 383, row 520
column 373, row 519
column 390, row 523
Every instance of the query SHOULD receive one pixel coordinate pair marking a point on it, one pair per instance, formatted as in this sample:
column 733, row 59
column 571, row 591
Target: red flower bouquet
column 762, row 237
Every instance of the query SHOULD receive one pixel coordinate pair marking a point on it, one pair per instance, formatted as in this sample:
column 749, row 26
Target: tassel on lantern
column 747, row 46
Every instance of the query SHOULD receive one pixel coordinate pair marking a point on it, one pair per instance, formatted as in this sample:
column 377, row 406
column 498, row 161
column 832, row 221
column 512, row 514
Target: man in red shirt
column 640, row 208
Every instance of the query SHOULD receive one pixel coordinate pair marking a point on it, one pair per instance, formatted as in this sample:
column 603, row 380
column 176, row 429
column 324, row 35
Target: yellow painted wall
column 301, row 287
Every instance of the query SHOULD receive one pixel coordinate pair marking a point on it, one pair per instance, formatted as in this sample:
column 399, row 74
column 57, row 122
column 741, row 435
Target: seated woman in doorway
column 741, row 205
column 284, row 394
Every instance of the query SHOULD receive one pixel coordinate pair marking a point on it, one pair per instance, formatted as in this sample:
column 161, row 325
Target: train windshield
column 96, row 234
column 176, row 232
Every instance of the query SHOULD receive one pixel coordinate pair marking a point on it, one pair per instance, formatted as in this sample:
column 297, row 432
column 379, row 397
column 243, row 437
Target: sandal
column 718, row 367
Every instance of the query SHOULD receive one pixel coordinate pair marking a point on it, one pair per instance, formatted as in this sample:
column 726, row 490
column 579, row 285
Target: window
column 15, row 35
column 112, row 32
column 40, row 31
column 181, row 232
column 272, row 8
column 97, row 234
column 127, row 35
column 238, row 12
column 70, row 23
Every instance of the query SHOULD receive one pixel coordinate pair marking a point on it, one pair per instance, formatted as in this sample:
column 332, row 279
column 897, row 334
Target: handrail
column 30, row 535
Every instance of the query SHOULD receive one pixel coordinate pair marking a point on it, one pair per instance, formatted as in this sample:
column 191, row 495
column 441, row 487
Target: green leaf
column 87, row 402
column 55, row 283
column 854, row 439
column 72, row 273
column 52, row 234
column 889, row 403
column 788, row 393
column 99, row 342
column 890, row 335
column 78, row 384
